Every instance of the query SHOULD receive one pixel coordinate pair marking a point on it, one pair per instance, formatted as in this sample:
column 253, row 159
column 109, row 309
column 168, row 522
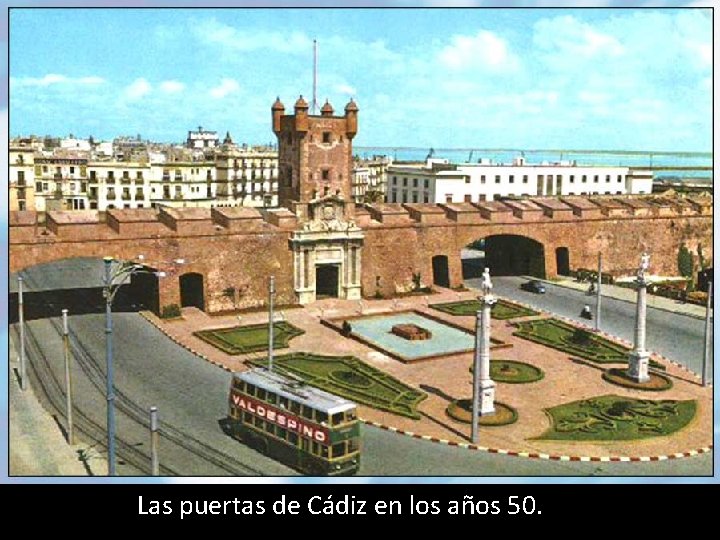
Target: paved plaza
column 446, row 379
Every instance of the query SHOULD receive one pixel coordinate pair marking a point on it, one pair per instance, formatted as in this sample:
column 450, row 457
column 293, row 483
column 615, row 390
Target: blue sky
column 527, row 78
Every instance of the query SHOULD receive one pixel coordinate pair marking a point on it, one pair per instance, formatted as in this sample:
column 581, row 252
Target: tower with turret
column 314, row 156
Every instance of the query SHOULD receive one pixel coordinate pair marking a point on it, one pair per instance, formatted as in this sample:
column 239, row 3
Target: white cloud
column 483, row 50
column 216, row 33
column 567, row 35
column 345, row 89
column 226, row 87
column 137, row 89
column 172, row 87
column 54, row 78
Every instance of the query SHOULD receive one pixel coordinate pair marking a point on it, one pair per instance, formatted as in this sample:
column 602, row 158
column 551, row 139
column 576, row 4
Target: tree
column 686, row 263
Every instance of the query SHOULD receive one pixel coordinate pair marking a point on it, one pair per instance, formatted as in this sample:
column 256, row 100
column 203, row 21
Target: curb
column 539, row 455
column 700, row 317
column 469, row 446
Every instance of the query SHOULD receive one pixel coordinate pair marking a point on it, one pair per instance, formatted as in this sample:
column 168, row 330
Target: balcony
column 125, row 197
column 21, row 183
column 125, row 180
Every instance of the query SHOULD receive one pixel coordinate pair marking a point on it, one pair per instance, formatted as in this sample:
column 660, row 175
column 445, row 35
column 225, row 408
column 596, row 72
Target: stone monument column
column 483, row 385
column 639, row 358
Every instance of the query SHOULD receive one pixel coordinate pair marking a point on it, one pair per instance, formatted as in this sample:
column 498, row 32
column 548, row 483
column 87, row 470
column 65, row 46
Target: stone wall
column 239, row 250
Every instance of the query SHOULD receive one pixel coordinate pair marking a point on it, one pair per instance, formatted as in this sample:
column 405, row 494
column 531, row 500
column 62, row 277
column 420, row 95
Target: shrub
column 685, row 262
column 170, row 311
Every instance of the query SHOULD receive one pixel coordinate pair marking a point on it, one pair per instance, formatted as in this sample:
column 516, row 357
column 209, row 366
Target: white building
column 438, row 181
column 202, row 139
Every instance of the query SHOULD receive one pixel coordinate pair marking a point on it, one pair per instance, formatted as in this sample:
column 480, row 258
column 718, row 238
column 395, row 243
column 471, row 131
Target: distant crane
column 470, row 156
column 431, row 153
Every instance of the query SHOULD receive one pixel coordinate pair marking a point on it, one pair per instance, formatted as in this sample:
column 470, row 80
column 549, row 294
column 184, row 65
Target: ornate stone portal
column 327, row 252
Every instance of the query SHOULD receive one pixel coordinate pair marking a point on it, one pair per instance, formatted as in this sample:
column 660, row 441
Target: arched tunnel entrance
column 191, row 291
column 505, row 255
column 77, row 285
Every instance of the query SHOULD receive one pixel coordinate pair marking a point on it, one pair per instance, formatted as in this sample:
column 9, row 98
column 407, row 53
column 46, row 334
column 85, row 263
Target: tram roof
column 296, row 390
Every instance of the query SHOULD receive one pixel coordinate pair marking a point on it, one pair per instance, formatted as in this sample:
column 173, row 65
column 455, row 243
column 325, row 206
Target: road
column 678, row 337
column 151, row 370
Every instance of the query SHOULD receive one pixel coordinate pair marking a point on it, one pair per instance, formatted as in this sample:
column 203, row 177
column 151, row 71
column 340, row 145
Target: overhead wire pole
column 110, row 390
column 271, row 316
column 598, row 293
column 707, row 352
column 154, row 458
column 68, row 380
column 21, row 322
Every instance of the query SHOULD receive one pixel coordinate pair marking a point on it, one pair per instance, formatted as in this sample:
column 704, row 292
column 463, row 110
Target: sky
column 621, row 79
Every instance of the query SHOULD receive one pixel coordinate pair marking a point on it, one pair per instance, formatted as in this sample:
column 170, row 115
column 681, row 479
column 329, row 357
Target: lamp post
column 113, row 279
column 598, row 293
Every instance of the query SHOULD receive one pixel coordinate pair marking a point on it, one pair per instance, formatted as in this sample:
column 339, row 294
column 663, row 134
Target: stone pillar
column 483, row 385
column 639, row 358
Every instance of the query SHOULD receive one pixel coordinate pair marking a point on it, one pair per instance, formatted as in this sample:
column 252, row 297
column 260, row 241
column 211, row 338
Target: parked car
column 533, row 286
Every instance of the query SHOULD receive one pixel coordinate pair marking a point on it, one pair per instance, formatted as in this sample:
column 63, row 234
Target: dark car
column 533, row 286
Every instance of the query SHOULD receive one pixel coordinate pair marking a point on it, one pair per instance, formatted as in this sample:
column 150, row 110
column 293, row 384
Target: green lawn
column 502, row 310
column 562, row 336
column 353, row 379
column 615, row 418
column 252, row 338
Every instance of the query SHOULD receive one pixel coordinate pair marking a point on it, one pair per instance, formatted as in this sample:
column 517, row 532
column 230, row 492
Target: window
column 572, row 178
column 448, row 198
column 325, row 174
column 247, row 417
column 139, row 175
column 427, row 183
column 272, row 398
column 511, row 178
column 468, row 198
column 292, row 437
column 261, row 393
column 111, row 175
column 72, row 170
column 394, row 180
column 525, row 178
column 38, row 186
column 282, row 432
column 338, row 449
column 415, row 197
column 607, row 178
column 426, row 198
column 497, row 178
column 393, row 196
column 92, row 176
column 326, row 137
column 21, row 205
column 250, row 389
column 619, row 178
column 467, row 179
column 415, row 182
column 321, row 417
column 404, row 182
column 295, row 407
column 482, row 179
column 307, row 412
column 126, row 175
column 596, row 178
column 584, row 178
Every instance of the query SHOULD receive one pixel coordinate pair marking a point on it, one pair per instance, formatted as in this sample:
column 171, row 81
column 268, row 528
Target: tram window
column 261, row 393
column 250, row 389
column 316, row 448
column 283, row 402
column 259, row 422
column 247, row 418
column 351, row 414
column 338, row 449
column 307, row 412
column 282, row 432
column 271, row 428
column 272, row 397
column 337, row 418
column 234, row 413
column 239, row 385
column 353, row 445
column 295, row 407
column 321, row 417
column 292, row 438
column 324, row 451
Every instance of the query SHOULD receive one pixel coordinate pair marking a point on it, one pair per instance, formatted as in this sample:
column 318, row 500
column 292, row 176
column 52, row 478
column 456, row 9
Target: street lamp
column 114, row 278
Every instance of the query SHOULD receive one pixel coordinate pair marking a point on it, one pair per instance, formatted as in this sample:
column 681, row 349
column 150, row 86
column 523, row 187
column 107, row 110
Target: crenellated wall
column 239, row 247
